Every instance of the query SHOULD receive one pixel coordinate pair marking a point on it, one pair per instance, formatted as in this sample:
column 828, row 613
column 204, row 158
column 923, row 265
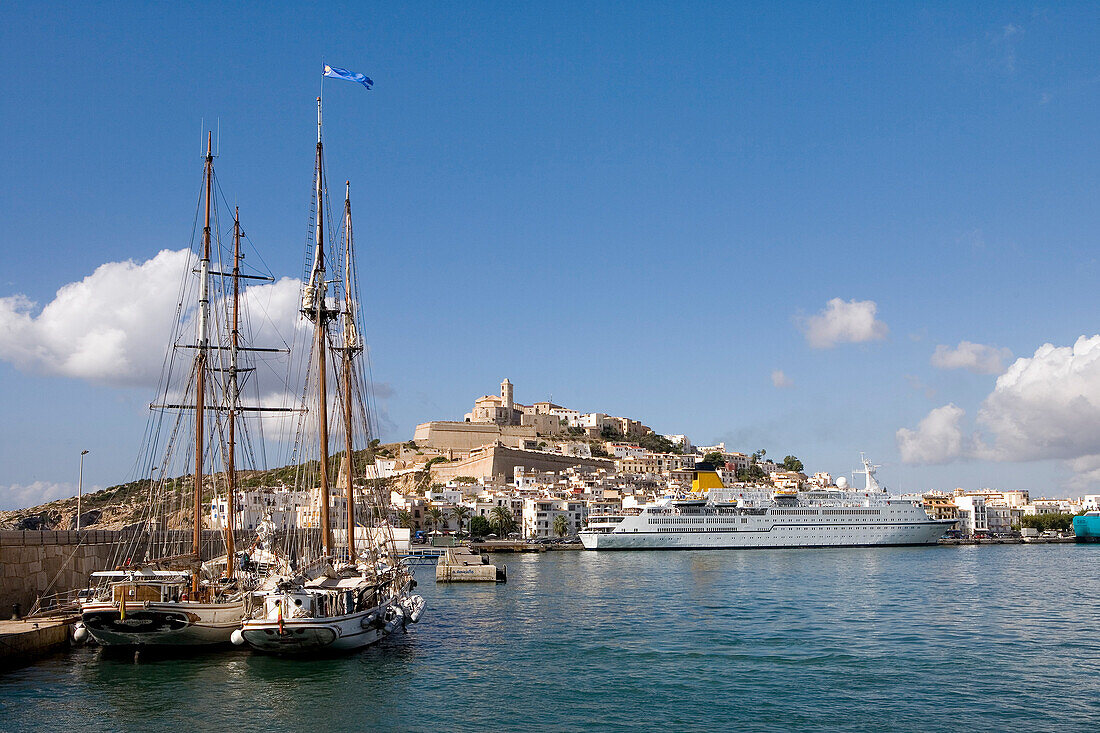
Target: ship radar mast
column 869, row 470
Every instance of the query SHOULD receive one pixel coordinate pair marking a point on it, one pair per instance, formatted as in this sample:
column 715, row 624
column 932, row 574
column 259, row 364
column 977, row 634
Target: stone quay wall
column 41, row 563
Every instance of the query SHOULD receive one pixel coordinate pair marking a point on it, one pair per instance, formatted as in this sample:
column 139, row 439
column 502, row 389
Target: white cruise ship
column 748, row 517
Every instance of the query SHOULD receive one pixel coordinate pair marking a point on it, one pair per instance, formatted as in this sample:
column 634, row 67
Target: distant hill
column 119, row 506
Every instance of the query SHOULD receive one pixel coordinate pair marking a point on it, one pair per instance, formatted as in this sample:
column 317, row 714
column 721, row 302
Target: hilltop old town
column 539, row 471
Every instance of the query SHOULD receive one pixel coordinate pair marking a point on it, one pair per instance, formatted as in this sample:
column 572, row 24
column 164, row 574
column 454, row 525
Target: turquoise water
column 898, row 639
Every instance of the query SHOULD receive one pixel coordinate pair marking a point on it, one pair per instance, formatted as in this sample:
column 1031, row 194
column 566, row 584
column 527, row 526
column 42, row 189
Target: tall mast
column 234, row 396
column 200, row 362
column 320, row 317
column 350, row 343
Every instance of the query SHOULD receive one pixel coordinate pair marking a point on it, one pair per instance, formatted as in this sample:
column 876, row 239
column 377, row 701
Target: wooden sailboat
column 186, row 598
column 342, row 600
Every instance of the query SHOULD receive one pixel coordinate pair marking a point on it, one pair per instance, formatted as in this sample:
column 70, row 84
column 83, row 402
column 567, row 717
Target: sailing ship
column 160, row 592
column 354, row 595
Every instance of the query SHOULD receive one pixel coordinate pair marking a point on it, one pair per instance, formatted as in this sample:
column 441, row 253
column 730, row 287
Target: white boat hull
column 772, row 536
column 162, row 624
column 338, row 633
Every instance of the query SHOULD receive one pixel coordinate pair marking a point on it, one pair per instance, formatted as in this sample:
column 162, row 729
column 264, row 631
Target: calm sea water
column 898, row 639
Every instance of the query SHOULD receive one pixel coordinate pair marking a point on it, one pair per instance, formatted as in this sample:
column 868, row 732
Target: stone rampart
column 500, row 462
column 465, row 436
column 41, row 563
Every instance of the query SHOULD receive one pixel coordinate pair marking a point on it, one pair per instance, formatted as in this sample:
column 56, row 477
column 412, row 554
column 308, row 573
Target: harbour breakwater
column 36, row 563
column 33, row 563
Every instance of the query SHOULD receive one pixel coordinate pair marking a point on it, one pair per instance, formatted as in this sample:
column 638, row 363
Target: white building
column 540, row 514
column 596, row 420
column 448, row 495
column 575, row 448
column 680, row 441
column 625, row 450
column 485, row 504
column 251, row 506
column 973, row 514
column 566, row 415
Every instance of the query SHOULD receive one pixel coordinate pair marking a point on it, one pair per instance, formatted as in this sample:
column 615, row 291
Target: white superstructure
column 734, row 518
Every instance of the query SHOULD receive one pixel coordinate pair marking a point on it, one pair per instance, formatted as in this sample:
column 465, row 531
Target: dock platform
column 460, row 564
column 22, row 641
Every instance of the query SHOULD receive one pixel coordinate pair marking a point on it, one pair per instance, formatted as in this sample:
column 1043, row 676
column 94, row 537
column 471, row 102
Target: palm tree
column 501, row 518
column 460, row 513
column 405, row 519
column 435, row 514
column 561, row 525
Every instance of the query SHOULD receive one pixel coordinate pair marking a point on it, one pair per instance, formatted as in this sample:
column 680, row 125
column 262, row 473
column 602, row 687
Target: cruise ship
column 731, row 518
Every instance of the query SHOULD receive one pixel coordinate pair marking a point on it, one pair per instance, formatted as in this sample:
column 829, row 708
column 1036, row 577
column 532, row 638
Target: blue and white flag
column 336, row 73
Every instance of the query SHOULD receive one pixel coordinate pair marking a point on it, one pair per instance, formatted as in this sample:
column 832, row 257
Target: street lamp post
column 80, row 488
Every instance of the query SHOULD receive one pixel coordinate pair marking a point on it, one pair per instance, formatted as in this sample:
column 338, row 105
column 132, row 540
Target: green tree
column 753, row 474
column 1048, row 522
column 405, row 519
column 715, row 457
column 657, row 444
column 460, row 513
column 435, row 515
column 501, row 519
column 561, row 525
column 479, row 526
column 792, row 464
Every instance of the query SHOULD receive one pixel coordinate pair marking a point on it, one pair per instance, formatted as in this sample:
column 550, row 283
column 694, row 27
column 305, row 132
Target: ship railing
column 58, row 604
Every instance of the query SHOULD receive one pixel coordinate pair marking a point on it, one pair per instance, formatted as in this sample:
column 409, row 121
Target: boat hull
column 311, row 635
column 162, row 624
column 1086, row 528
column 773, row 537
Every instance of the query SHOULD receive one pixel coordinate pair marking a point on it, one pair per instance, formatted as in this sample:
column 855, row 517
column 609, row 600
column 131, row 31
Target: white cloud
column 109, row 327
column 113, row 326
column 937, row 439
column 842, row 322
column 1043, row 407
column 20, row 496
column 1086, row 472
column 781, row 380
column 1046, row 406
column 977, row 358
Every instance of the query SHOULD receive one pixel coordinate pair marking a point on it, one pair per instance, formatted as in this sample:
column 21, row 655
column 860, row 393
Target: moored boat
column 348, row 597
column 763, row 518
column 1086, row 527
column 171, row 585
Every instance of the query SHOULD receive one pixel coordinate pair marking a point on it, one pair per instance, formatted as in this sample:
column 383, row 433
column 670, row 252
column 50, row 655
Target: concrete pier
column 22, row 642
column 459, row 564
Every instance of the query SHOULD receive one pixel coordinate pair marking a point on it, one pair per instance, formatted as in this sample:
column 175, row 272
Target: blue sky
column 639, row 209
